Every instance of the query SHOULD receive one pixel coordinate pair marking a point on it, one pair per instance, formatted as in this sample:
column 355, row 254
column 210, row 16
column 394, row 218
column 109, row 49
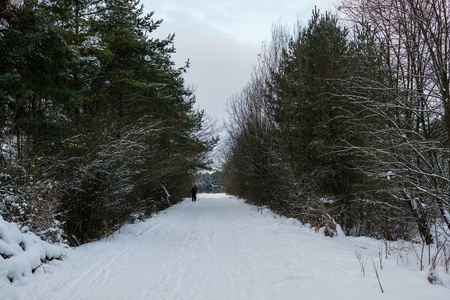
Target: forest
column 97, row 127
column 346, row 121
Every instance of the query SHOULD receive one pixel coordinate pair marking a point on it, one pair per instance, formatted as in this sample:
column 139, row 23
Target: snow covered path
column 221, row 248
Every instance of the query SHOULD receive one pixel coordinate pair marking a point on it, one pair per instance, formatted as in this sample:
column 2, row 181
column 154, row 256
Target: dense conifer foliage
column 348, row 124
column 97, row 127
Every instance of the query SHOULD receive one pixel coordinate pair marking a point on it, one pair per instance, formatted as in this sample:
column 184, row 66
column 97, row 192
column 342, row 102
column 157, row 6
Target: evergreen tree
column 95, row 107
column 303, row 99
column 139, row 126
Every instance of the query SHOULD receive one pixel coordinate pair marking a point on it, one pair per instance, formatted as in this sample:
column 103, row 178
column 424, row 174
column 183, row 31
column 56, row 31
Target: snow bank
column 21, row 253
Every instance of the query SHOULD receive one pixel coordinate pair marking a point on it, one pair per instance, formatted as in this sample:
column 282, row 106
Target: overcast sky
column 222, row 38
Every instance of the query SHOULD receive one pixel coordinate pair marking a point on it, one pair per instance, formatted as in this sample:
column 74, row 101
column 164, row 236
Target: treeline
column 97, row 127
column 209, row 182
column 348, row 122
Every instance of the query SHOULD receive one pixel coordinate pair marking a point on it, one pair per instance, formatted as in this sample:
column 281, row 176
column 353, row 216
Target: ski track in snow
column 221, row 248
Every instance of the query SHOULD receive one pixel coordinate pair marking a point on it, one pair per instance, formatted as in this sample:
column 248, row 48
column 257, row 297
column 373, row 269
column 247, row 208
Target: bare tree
column 410, row 146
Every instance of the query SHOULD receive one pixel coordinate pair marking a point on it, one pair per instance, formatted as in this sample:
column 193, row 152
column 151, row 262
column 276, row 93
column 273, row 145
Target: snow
column 21, row 253
column 221, row 248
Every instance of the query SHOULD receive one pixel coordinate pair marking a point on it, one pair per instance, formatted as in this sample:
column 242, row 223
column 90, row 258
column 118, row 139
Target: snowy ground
column 221, row 248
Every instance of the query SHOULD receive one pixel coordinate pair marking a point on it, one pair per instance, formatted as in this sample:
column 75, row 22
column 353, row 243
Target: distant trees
column 348, row 124
column 209, row 183
column 93, row 107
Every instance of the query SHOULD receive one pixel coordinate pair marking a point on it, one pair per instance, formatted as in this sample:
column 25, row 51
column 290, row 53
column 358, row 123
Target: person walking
column 194, row 193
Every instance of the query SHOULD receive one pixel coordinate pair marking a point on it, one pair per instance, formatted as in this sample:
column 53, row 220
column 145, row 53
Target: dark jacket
column 194, row 190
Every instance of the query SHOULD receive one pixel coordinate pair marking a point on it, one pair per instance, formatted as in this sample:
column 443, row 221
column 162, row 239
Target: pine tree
column 97, row 110
column 304, row 106
column 139, row 126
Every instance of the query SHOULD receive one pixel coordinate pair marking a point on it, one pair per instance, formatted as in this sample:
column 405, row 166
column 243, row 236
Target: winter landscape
column 323, row 172
column 221, row 248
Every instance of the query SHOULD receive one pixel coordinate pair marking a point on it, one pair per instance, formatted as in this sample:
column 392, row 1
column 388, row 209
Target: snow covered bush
column 22, row 252
column 32, row 203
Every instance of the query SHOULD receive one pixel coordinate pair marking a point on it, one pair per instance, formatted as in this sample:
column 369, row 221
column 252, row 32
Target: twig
column 361, row 263
column 380, row 256
column 377, row 273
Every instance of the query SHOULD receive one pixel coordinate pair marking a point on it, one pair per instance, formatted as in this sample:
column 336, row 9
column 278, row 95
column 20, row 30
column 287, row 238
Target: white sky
column 222, row 38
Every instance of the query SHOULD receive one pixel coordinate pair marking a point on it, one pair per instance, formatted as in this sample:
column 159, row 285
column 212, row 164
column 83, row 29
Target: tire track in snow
column 220, row 248
column 101, row 270
column 183, row 257
column 195, row 268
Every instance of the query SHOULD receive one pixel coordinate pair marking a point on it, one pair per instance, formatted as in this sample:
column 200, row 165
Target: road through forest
column 221, row 248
